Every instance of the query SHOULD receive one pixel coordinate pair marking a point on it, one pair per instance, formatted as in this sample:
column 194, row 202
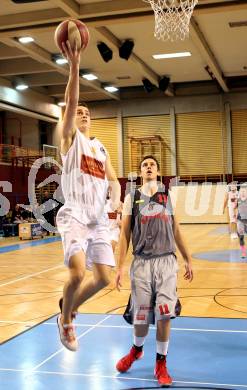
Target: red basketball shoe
column 67, row 335
column 161, row 373
column 126, row 362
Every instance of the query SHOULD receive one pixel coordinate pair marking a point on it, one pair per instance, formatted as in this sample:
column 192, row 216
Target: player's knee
column 76, row 279
column 241, row 239
column 104, row 281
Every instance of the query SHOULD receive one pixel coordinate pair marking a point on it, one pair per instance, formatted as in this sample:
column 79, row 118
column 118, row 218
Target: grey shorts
column 241, row 227
column 153, row 288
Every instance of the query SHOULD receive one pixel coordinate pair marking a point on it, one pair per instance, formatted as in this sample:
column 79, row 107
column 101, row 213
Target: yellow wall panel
column 147, row 126
column 239, row 141
column 200, row 143
column 106, row 130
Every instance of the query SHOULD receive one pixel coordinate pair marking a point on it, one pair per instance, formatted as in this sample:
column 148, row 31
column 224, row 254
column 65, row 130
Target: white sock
column 162, row 347
column 138, row 341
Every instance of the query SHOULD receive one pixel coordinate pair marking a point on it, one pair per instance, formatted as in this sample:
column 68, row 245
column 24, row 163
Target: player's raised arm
column 71, row 96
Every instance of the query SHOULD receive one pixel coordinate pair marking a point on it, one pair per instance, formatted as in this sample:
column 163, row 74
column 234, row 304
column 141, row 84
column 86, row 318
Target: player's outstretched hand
column 118, row 279
column 72, row 54
column 188, row 271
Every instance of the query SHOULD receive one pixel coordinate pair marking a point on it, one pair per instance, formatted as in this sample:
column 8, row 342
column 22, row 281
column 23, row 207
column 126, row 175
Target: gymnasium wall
column 158, row 106
column 34, row 103
column 29, row 128
column 18, row 179
column 206, row 129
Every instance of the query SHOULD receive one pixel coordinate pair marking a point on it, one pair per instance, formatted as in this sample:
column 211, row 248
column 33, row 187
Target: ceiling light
column 105, row 52
column 21, row 87
column 61, row 104
column 61, row 61
column 89, row 76
column 110, row 88
column 171, row 55
column 25, row 39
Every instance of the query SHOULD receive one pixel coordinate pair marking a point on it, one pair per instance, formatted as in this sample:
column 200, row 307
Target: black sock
column 160, row 357
column 138, row 349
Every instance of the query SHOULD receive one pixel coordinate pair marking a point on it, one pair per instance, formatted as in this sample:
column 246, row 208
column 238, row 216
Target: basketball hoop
column 172, row 18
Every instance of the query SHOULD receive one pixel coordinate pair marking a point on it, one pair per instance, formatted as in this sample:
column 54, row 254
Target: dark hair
column 153, row 158
column 84, row 104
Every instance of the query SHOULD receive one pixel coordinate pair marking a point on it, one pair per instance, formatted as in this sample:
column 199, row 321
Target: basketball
column 74, row 31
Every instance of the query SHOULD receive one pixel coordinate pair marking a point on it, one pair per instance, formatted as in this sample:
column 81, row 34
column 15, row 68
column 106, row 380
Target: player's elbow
column 112, row 178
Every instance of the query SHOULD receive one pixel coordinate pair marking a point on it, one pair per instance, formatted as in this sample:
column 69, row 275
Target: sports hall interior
column 190, row 112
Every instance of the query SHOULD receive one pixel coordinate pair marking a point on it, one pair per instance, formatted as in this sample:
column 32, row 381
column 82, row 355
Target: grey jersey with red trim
column 242, row 210
column 152, row 225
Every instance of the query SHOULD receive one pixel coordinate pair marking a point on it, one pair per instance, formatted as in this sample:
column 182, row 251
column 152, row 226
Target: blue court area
column 28, row 244
column 229, row 256
column 204, row 353
column 220, row 230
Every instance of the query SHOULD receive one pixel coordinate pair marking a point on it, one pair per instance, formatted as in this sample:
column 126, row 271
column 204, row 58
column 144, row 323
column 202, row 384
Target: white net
column 172, row 18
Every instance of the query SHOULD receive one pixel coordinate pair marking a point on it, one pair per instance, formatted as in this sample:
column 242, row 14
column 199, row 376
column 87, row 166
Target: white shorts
column 93, row 240
column 232, row 215
column 114, row 234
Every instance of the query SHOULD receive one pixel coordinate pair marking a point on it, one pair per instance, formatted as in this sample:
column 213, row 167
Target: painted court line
column 228, row 267
column 79, row 337
column 31, row 275
column 125, row 327
column 117, row 376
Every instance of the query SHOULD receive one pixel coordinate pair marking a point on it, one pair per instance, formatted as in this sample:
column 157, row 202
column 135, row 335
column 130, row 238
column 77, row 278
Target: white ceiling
column 212, row 43
column 8, row 7
column 228, row 44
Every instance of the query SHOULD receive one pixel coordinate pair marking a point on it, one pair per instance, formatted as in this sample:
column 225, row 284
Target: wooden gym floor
column 32, row 275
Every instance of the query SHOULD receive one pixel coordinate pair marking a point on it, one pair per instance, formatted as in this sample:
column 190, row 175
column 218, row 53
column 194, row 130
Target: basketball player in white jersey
column 242, row 217
column 82, row 223
column 114, row 224
column 231, row 202
column 114, row 220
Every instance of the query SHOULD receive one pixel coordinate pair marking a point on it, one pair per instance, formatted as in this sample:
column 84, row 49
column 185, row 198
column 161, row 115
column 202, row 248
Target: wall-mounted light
column 105, row 52
column 126, row 49
column 163, row 83
column 148, row 86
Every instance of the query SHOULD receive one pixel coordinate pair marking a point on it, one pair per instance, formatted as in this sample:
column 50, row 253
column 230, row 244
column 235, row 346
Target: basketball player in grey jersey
column 242, row 217
column 153, row 273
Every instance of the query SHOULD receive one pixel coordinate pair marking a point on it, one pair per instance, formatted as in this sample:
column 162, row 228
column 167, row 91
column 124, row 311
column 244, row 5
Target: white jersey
column 114, row 218
column 83, row 181
column 232, row 199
